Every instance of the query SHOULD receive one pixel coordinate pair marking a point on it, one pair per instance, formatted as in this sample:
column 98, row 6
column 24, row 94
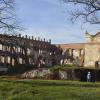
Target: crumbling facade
column 15, row 49
column 84, row 54
column 74, row 53
column 24, row 50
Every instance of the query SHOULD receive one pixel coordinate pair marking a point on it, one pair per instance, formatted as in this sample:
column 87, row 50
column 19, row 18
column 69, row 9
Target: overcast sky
column 49, row 19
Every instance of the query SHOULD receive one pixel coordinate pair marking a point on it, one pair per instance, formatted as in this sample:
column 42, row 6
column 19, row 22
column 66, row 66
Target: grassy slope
column 48, row 90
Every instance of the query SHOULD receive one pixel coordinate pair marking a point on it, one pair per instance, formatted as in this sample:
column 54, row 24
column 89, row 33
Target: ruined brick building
column 15, row 49
column 74, row 52
column 85, row 54
column 24, row 50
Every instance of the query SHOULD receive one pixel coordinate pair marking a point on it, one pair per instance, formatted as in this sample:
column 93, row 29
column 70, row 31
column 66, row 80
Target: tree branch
column 90, row 10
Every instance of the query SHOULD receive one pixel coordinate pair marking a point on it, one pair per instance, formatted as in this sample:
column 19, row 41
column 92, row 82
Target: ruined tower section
column 17, row 49
column 92, row 50
column 88, row 38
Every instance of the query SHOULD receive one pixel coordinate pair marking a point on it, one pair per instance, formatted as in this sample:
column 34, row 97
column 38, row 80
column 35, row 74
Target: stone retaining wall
column 45, row 73
column 69, row 74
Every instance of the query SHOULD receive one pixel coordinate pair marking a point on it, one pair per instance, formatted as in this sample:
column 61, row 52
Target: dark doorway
column 83, row 76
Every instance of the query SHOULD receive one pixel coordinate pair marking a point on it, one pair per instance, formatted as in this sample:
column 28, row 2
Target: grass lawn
column 48, row 90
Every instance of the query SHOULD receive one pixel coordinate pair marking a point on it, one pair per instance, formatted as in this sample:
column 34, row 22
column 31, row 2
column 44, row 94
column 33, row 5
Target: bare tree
column 89, row 10
column 8, row 20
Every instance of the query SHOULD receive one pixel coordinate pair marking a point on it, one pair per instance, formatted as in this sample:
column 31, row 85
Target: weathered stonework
column 92, row 54
column 87, row 54
column 92, row 50
column 38, row 73
column 15, row 50
column 74, row 53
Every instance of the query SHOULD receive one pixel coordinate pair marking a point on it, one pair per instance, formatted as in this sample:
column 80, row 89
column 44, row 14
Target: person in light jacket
column 88, row 77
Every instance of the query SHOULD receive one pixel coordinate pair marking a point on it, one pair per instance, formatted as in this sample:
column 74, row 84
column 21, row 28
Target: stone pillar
column 26, row 36
column 38, row 38
column 20, row 49
column 2, row 47
column 2, row 59
column 79, row 52
column 13, row 61
column 44, row 39
column 8, row 59
column 32, row 38
column 71, row 52
column 19, row 35
column 11, row 56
